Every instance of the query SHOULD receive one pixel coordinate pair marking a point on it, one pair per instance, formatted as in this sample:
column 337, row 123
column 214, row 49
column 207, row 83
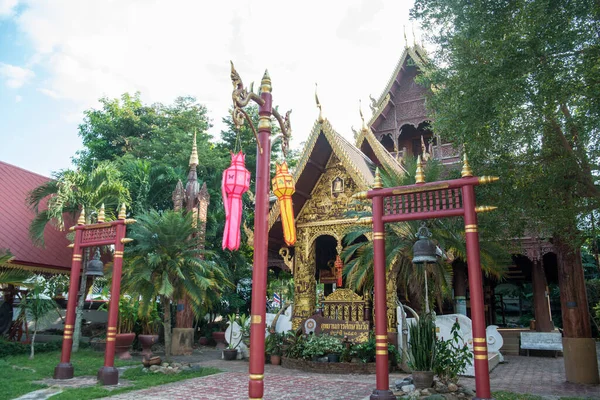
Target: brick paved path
column 541, row 376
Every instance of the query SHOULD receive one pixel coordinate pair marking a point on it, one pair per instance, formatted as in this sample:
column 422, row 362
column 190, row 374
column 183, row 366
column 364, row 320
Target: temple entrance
column 325, row 255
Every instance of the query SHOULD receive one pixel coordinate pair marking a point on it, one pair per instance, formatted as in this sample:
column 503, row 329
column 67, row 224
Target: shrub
column 321, row 345
column 16, row 348
column 452, row 356
column 422, row 344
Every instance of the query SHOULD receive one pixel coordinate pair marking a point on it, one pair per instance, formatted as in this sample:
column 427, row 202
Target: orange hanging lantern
column 283, row 188
column 338, row 270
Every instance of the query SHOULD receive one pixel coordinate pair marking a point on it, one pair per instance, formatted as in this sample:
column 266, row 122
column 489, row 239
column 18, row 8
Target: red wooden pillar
column 261, row 232
column 108, row 374
column 382, row 389
column 482, row 376
column 64, row 370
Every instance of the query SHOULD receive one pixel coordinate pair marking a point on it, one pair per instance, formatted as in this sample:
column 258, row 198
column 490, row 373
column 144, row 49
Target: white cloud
column 170, row 48
column 7, row 7
column 18, row 99
column 14, row 76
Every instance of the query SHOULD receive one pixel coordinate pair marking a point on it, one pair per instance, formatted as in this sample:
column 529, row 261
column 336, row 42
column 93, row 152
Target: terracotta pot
column 123, row 343
column 275, row 359
column 203, row 341
column 147, row 341
column 230, row 354
column 422, row 379
column 220, row 339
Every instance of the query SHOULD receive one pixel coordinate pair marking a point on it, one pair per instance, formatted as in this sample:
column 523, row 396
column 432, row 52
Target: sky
column 57, row 58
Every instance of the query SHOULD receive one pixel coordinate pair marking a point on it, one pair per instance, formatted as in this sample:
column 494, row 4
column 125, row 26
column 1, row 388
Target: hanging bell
column 95, row 267
column 424, row 251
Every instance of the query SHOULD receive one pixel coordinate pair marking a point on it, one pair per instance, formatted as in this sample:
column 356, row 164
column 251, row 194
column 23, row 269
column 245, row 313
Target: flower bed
column 328, row 368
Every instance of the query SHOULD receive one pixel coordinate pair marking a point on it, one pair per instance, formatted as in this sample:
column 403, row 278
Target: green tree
column 164, row 263
column 66, row 195
column 519, row 81
column 11, row 276
column 35, row 306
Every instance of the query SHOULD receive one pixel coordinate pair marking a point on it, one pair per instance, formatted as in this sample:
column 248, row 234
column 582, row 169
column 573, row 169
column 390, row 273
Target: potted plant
column 150, row 323
column 333, row 348
column 274, row 347
column 230, row 352
column 318, row 346
column 422, row 350
column 128, row 313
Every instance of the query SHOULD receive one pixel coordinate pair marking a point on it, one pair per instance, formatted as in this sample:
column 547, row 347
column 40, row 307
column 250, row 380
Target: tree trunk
column 33, row 340
column 541, row 303
column 573, row 296
column 167, row 326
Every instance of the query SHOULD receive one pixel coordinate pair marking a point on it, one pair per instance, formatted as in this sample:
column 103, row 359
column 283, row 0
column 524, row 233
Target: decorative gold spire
column 466, row 169
column 194, row 155
column 405, row 40
column 122, row 212
column 420, row 173
column 101, row 213
column 362, row 118
column 480, row 209
column 483, row 180
column 320, row 119
column 265, row 84
column 378, row 184
column 81, row 220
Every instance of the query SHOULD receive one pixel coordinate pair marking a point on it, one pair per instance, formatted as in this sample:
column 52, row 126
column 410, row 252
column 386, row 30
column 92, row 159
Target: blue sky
column 57, row 58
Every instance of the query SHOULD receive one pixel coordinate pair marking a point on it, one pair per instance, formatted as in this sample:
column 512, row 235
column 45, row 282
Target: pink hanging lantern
column 236, row 181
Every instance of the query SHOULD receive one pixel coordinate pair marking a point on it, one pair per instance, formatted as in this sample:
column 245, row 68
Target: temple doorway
column 325, row 254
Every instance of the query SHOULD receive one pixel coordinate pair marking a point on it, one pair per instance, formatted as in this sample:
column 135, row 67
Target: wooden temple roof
column 15, row 217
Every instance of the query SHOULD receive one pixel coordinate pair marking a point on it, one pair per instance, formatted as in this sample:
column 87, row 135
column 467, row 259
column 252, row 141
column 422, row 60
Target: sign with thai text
column 354, row 331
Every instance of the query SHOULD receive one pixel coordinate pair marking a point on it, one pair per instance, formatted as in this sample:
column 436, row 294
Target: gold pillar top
column 101, row 215
column 420, row 173
column 466, row 169
column 122, row 212
column 378, row 184
column 265, row 84
column 81, row 220
column 194, row 155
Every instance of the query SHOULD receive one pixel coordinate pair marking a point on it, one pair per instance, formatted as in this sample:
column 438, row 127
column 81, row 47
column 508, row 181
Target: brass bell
column 424, row 249
column 95, row 267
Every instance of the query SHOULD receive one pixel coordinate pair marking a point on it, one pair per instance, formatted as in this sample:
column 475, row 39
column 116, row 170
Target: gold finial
column 101, row 213
column 194, row 156
column 126, row 240
column 122, row 212
column 487, row 179
column 360, row 195
column 378, row 184
column 466, row 169
column 320, row 119
column 420, row 173
column 362, row 118
column 480, row 209
column 265, row 84
column 81, row 220
column 405, row 40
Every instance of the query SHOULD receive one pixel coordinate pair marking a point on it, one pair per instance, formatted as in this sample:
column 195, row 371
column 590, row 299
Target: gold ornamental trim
column 119, row 252
column 428, row 188
column 129, row 221
column 479, row 348
column 471, row 230
column 483, row 180
column 66, row 337
column 382, row 345
column 110, row 339
column 481, row 209
column 346, row 295
column 480, row 357
column 378, row 337
column 381, row 352
column 68, row 326
column 76, row 257
column 112, row 328
column 256, row 319
column 349, row 221
column 126, row 240
column 256, row 377
column 378, row 235
column 479, row 340
column 97, row 226
column 255, row 398
column 118, row 256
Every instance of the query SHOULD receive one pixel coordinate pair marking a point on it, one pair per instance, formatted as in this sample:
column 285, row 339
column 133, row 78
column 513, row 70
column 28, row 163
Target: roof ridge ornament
column 320, row 118
column 420, row 174
column 194, row 155
column 363, row 127
column 405, row 40
column 81, row 220
column 466, row 169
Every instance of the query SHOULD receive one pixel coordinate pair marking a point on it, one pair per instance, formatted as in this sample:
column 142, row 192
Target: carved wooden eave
column 367, row 140
column 357, row 165
column 343, row 295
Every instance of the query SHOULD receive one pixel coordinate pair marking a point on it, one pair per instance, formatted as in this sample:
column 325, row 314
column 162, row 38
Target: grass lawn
column 19, row 372
column 519, row 396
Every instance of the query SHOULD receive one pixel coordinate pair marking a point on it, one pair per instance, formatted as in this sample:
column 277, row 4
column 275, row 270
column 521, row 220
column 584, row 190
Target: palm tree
column 10, row 275
column 164, row 263
column 68, row 193
column 399, row 240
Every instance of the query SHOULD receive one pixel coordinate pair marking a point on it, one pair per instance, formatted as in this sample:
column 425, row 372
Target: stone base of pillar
column 182, row 340
column 108, row 376
column 63, row 371
column 581, row 361
column 382, row 395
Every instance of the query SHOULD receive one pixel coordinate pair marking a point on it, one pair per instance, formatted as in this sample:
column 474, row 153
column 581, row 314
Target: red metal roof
column 15, row 217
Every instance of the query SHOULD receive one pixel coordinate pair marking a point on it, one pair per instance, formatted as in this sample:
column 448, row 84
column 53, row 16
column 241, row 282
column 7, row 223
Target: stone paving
column 541, row 376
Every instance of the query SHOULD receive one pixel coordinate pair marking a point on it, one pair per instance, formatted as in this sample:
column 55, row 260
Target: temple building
column 331, row 170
